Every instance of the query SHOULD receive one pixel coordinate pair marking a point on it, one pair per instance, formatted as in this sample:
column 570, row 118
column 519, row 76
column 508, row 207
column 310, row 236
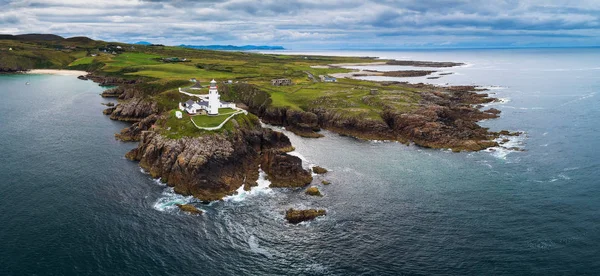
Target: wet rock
column 313, row 191
column 190, row 209
column 492, row 111
column 319, row 170
column 285, row 170
column 325, row 182
column 296, row 216
column 108, row 111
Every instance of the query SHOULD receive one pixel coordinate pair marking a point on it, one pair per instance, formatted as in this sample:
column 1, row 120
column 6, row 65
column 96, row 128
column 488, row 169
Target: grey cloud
column 298, row 22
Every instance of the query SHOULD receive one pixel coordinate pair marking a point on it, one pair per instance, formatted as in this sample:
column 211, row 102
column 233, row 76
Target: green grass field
column 175, row 128
column 209, row 121
column 81, row 61
column 347, row 97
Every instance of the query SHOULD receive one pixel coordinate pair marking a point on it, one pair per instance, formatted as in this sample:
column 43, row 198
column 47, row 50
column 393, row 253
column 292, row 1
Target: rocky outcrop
column 108, row 81
column 407, row 73
column 108, row 111
column 134, row 110
column 113, row 92
column 313, row 191
column 423, row 63
column 134, row 132
column 284, row 170
column 319, row 170
column 188, row 208
column 299, row 122
column 213, row 166
column 296, row 216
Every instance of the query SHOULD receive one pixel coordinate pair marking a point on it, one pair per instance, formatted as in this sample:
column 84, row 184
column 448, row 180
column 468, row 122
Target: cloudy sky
column 304, row 24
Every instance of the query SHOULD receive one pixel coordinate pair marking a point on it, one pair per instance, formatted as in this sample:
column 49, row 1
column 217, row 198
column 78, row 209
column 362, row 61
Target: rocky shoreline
column 213, row 166
column 208, row 167
column 447, row 118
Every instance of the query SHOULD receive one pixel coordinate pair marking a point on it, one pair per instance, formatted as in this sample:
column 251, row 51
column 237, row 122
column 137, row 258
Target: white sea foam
column 168, row 200
column 159, row 182
column 503, row 150
column 580, row 98
column 255, row 247
column 261, row 188
column 494, row 87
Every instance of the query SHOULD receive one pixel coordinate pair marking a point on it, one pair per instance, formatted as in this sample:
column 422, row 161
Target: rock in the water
column 325, row 182
column 108, row 111
column 313, row 191
column 297, row 216
column 319, row 170
column 190, row 209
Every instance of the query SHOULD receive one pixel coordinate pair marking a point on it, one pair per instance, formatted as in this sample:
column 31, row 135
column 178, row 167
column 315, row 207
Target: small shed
column 178, row 114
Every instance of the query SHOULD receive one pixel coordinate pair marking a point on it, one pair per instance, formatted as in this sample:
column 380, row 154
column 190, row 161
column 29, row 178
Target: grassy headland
column 150, row 75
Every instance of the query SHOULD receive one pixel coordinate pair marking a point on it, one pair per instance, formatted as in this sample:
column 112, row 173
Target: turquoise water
column 70, row 204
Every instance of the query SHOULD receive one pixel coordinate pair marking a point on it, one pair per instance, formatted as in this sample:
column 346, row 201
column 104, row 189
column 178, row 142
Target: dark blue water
column 70, row 204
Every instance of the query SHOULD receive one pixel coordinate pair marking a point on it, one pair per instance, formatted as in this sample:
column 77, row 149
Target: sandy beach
column 57, row 72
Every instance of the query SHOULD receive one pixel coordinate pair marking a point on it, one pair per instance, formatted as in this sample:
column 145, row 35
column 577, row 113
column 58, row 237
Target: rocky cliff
column 134, row 110
column 215, row 165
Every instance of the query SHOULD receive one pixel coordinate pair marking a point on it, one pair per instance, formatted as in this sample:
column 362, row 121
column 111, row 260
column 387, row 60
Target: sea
column 71, row 204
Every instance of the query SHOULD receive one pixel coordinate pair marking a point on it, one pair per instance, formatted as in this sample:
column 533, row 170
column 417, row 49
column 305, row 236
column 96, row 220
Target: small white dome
column 213, row 81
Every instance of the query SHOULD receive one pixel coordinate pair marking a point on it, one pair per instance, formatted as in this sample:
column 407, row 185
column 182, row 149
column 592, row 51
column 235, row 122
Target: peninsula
column 209, row 152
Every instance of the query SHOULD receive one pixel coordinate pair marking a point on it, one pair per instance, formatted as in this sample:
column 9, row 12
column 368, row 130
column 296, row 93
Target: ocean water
column 71, row 204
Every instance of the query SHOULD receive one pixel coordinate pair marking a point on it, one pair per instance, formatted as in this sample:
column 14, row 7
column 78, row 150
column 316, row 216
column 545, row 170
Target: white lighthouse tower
column 214, row 100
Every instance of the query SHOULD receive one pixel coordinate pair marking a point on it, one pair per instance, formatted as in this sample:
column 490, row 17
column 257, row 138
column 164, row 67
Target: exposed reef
column 188, row 208
column 313, row 191
column 423, row 63
column 296, row 216
column 319, row 170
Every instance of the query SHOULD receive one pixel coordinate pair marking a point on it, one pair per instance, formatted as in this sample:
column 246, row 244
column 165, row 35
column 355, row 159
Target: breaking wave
column 514, row 144
column 168, row 200
column 261, row 188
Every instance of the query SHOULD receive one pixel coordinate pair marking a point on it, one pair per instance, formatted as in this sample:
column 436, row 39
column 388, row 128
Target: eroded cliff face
column 134, row 110
column 213, row 166
column 134, row 132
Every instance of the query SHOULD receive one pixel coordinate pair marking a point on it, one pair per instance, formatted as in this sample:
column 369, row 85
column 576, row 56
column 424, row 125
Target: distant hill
column 143, row 43
column 232, row 48
column 79, row 39
column 40, row 37
column 33, row 37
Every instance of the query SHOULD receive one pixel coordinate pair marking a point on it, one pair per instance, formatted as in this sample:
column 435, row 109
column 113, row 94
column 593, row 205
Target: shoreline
column 59, row 72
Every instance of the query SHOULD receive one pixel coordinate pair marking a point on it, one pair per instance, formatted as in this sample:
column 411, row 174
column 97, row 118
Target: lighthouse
column 213, row 99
